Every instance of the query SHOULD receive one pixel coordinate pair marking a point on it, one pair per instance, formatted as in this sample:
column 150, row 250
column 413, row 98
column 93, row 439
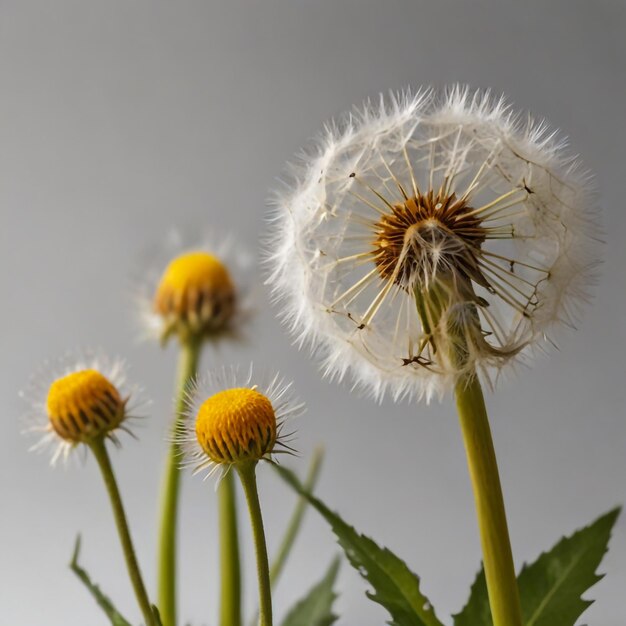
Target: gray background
column 122, row 119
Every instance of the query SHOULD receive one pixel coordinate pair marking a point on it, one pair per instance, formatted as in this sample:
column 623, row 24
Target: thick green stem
column 230, row 610
column 494, row 534
column 247, row 474
column 481, row 456
column 167, row 561
column 99, row 450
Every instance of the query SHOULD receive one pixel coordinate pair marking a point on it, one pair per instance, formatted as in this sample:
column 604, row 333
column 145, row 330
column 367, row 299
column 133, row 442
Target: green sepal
column 115, row 617
column 396, row 588
column 316, row 608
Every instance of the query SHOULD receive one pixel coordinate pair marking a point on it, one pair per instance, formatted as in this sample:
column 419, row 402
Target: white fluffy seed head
column 431, row 235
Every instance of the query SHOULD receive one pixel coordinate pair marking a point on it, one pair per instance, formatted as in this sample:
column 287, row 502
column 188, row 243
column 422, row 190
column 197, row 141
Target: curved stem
column 99, row 450
column 230, row 610
column 494, row 534
column 167, row 561
column 247, row 474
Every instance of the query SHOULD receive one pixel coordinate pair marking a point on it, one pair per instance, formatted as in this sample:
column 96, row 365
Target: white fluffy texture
column 237, row 261
column 36, row 394
column 478, row 147
column 274, row 387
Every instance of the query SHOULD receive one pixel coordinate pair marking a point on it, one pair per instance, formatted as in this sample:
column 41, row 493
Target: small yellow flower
column 236, row 425
column 194, row 293
column 77, row 401
column 234, row 418
column 195, row 296
column 84, row 405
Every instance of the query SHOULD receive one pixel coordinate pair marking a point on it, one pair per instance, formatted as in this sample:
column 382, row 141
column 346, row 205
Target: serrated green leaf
column 115, row 617
column 315, row 609
column 396, row 587
column 477, row 611
column 551, row 588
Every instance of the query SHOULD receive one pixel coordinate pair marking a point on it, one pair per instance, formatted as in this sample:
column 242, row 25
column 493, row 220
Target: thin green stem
column 98, row 447
column 247, row 474
column 294, row 525
column 167, row 559
column 295, row 522
column 494, row 534
column 230, row 609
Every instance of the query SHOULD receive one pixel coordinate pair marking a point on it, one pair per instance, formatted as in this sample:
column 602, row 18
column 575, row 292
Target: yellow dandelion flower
column 79, row 400
column 234, row 417
column 195, row 293
column 236, row 425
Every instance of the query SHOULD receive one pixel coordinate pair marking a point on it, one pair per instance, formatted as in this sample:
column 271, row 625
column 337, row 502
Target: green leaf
column 551, row 588
column 477, row 611
column 396, row 588
column 316, row 608
column 105, row 604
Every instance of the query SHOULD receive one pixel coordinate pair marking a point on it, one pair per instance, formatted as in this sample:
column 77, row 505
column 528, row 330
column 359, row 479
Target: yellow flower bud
column 83, row 406
column 236, row 417
column 236, row 425
column 79, row 399
column 195, row 296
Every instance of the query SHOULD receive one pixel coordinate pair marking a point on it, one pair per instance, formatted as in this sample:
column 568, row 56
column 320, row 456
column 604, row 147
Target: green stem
column 247, row 474
column 98, row 447
column 481, row 457
column 167, row 561
column 494, row 534
column 296, row 518
column 294, row 525
column 230, row 610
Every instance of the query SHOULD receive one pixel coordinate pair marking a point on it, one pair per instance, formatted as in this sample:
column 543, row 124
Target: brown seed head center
column 426, row 233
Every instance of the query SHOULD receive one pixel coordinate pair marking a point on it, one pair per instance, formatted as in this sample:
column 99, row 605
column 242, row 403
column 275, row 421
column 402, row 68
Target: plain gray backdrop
column 123, row 119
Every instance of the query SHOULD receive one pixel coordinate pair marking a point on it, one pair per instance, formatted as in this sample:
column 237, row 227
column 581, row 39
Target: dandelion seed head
column 431, row 235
